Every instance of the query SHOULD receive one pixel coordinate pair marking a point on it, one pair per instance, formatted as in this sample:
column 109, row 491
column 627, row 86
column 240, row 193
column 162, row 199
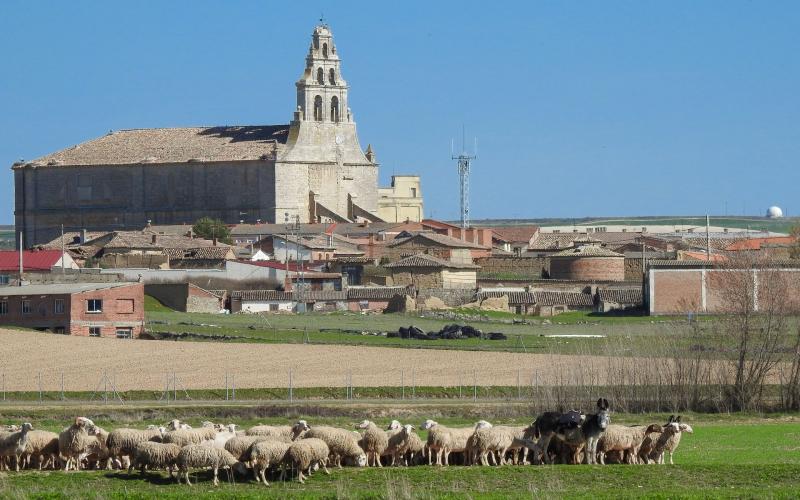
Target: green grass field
column 730, row 456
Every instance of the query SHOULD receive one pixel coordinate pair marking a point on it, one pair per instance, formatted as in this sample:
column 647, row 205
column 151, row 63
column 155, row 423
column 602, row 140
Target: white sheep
column 152, row 455
column 623, row 439
column 198, row 456
column 74, row 442
column 305, row 454
column 122, row 442
column 223, row 436
column 265, row 453
column 98, row 449
column 285, row 432
column 375, row 442
column 445, row 440
column 13, row 444
column 185, row 437
column 498, row 439
column 43, row 445
column 341, row 443
column 240, row 446
column 669, row 440
column 405, row 443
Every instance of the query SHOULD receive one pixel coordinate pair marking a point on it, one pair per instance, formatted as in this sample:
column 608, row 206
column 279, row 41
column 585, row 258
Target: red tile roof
column 756, row 243
column 515, row 234
column 32, row 260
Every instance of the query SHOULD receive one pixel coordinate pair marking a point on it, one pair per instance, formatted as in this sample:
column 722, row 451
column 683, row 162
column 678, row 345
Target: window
column 273, row 307
column 320, row 76
column 4, row 307
column 94, row 306
column 318, row 108
column 325, row 50
column 413, row 192
column 58, row 306
column 124, row 333
column 4, row 279
column 26, row 307
column 335, row 109
column 125, row 306
column 95, row 331
column 332, row 76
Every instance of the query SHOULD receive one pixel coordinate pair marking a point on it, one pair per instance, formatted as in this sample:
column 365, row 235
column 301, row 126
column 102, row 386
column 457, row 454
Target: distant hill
column 7, row 238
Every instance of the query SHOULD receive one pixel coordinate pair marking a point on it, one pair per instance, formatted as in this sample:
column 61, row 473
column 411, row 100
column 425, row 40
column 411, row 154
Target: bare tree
column 751, row 294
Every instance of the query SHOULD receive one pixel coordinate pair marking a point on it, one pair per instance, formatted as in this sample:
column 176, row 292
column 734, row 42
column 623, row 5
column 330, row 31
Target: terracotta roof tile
column 620, row 295
column 563, row 298
column 424, row 260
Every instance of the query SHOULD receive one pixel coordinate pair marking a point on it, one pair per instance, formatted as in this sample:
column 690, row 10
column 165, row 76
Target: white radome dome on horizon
column 774, row 212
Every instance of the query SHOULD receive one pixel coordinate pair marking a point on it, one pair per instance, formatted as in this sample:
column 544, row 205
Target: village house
column 113, row 310
column 426, row 271
column 33, row 261
column 437, row 245
column 515, row 240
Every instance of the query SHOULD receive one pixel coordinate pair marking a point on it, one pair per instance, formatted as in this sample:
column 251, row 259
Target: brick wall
column 122, row 307
column 588, row 268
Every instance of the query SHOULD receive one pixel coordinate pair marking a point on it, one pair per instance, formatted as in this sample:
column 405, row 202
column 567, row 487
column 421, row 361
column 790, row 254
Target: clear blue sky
column 580, row 108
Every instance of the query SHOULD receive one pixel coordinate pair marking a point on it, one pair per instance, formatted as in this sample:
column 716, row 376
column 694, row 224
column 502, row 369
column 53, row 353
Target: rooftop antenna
column 464, row 163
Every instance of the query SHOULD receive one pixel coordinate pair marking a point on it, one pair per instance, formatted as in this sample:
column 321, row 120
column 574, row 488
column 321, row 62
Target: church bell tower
column 322, row 92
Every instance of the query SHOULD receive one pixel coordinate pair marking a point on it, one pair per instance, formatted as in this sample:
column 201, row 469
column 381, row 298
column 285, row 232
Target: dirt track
column 142, row 364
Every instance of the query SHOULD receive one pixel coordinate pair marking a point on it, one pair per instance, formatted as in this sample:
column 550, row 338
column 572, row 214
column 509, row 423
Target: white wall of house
column 281, row 248
column 255, row 306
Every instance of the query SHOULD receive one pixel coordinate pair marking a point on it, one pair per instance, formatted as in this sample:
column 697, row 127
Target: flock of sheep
column 300, row 449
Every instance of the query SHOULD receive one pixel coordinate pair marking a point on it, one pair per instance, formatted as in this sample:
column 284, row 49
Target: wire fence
column 465, row 386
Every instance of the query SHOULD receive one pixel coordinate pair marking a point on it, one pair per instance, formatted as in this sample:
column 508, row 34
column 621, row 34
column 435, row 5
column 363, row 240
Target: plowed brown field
column 144, row 364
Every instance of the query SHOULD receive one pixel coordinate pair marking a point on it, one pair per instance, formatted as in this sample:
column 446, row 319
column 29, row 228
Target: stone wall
column 533, row 267
column 633, row 269
column 420, row 278
column 127, row 196
column 452, row 297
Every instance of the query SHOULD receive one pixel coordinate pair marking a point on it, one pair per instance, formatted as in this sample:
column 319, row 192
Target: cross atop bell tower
column 321, row 91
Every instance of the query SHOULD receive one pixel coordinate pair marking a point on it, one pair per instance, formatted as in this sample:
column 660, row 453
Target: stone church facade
column 313, row 169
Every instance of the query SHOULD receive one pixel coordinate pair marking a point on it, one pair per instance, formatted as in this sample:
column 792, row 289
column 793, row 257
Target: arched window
column 320, row 76
column 325, row 50
column 335, row 109
column 318, row 108
column 316, row 42
column 332, row 77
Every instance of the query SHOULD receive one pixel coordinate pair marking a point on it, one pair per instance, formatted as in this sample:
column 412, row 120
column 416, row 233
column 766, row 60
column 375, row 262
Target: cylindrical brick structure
column 588, row 262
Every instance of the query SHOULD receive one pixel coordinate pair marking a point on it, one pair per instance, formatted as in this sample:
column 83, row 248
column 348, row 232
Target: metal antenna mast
column 464, row 162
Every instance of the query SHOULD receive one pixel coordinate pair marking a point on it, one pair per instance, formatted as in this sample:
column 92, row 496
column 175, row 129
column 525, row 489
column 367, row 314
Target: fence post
column 175, row 386
column 105, row 387
column 40, row 386
column 62, row 385
column 474, row 385
column 234, row 386
column 460, row 384
column 519, row 384
column 226, row 386
column 291, row 395
column 413, row 383
column 403, row 384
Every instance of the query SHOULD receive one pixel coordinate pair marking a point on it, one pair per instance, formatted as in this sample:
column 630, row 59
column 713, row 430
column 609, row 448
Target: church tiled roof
column 173, row 145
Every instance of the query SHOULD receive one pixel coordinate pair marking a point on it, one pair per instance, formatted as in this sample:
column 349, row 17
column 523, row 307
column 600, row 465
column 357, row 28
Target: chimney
column 214, row 241
column 83, row 236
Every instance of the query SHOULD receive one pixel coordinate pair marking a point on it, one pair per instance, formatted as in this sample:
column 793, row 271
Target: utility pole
column 21, row 237
column 708, row 238
column 62, row 249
